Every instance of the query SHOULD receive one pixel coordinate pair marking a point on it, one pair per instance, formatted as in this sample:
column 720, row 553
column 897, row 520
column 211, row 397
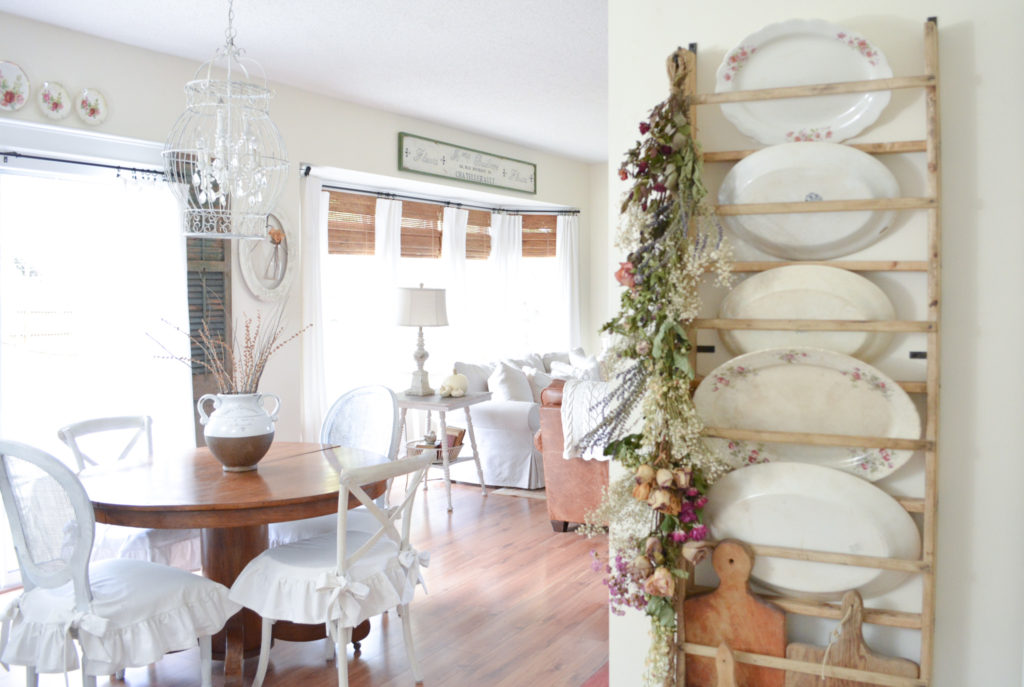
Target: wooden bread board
column 732, row 615
column 848, row 651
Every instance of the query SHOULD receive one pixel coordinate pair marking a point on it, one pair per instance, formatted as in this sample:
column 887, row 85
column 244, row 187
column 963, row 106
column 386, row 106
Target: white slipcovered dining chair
column 345, row 577
column 365, row 417
column 96, row 445
column 122, row 613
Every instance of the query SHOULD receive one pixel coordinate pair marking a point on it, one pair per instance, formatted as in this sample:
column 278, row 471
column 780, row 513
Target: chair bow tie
column 84, row 621
column 345, row 597
column 11, row 611
column 408, row 557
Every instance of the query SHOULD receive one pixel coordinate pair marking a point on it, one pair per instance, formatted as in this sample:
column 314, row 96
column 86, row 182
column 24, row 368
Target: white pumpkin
column 454, row 385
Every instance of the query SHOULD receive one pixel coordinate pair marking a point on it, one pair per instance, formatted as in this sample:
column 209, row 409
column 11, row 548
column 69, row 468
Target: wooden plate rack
column 924, row 621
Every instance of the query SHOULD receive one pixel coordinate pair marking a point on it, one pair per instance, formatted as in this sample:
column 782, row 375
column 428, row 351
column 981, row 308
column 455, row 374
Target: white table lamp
column 420, row 307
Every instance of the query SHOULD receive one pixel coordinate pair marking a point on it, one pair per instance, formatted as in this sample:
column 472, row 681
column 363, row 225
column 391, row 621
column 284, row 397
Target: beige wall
column 981, row 514
column 145, row 93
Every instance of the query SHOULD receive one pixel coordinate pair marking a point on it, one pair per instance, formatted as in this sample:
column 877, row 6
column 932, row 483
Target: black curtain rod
column 450, row 203
column 86, row 163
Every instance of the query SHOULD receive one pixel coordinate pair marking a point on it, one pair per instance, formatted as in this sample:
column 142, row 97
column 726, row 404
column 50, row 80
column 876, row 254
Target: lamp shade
column 420, row 307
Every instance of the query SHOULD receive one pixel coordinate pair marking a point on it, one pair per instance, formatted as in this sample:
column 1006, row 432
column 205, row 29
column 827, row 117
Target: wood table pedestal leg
column 225, row 552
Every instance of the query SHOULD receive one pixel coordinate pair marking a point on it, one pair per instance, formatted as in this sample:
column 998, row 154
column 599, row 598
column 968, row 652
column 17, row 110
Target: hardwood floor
column 510, row 603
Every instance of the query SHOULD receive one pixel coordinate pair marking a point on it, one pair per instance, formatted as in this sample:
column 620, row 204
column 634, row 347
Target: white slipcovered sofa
column 505, row 426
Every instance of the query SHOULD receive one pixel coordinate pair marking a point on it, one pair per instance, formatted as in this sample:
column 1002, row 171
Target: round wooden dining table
column 232, row 509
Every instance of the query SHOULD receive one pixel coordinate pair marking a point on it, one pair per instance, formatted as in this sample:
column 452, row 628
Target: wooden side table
column 442, row 406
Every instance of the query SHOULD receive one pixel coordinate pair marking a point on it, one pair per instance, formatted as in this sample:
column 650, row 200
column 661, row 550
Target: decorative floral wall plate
column 813, row 507
column 53, row 100
column 807, row 292
column 91, row 106
column 14, row 87
column 795, row 53
column 807, row 390
column 799, row 172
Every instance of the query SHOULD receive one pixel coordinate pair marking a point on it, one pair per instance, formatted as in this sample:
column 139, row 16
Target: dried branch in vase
column 237, row 367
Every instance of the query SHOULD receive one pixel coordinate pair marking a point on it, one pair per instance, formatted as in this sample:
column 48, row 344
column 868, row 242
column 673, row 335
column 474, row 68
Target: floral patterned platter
column 807, row 390
column 800, row 172
column 14, row 87
column 807, row 292
column 53, row 100
column 91, row 106
column 795, row 53
column 815, row 508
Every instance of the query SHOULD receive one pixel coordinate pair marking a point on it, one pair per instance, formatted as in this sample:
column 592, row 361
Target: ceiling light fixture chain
column 225, row 156
column 230, row 33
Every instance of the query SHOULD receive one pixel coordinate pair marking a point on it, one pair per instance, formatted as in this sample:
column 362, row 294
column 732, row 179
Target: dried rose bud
column 644, row 474
column 665, row 501
column 664, row 478
column 652, row 547
column 643, row 347
column 641, row 566
column 682, row 478
column 642, row 491
column 660, row 583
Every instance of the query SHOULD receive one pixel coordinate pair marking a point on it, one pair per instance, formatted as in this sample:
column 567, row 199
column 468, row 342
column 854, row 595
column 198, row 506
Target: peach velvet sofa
column 573, row 486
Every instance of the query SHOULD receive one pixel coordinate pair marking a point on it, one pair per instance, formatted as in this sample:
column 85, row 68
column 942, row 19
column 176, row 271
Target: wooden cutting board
column 733, row 615
column 849, row 651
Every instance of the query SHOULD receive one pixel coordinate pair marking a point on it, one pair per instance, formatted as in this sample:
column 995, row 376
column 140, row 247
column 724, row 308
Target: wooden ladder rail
column 925, row 621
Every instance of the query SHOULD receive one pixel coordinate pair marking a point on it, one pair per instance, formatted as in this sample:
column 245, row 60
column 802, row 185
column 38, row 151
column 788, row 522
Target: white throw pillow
column 535, row 361
column 550, row 358
column 539, row 380
column 508, row 383
column 560, row 370
column 586, row 366
column 476, row 375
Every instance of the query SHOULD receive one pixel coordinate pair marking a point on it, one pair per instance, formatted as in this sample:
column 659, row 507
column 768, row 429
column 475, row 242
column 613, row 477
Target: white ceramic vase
column 240, row 429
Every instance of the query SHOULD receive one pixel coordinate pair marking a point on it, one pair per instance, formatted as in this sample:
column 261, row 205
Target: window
column 350, row 227
column 489, row 317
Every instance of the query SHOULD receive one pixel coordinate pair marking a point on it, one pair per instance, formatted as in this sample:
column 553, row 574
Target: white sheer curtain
column 453, row 276
column 92, row 271
column 567, row 255
column 388, row 240
column 504, row 286
column 313, row 249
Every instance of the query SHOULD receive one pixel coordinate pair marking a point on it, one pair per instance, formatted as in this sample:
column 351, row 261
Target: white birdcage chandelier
column 224, row 157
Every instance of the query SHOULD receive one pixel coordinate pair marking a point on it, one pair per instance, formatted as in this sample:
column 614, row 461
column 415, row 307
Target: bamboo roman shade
column 539, row 236
column 350, row 223
column 350, row 229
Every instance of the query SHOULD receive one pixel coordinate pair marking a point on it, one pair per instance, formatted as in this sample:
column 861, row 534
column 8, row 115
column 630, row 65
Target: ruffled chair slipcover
column 308, row 582
column 121, row 613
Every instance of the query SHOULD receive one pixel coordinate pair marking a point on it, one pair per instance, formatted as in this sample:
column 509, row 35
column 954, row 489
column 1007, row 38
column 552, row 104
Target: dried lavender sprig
column 617, row 406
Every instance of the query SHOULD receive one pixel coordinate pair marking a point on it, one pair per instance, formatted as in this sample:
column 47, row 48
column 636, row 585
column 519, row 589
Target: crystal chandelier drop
column 224, row 157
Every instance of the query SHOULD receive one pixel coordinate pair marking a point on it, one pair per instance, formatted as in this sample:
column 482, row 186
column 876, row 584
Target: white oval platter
column 807, row 390
column 800, row 172
column 818, row 509
column 796, row 53
column 807, row 292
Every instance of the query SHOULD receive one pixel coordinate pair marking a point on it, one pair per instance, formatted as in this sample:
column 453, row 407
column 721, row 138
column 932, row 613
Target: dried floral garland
column 673, row 240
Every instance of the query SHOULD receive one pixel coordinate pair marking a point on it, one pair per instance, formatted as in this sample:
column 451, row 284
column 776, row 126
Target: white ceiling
column 532, row 72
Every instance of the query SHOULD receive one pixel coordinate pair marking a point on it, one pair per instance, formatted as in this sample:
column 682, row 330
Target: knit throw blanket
column 580, row 415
